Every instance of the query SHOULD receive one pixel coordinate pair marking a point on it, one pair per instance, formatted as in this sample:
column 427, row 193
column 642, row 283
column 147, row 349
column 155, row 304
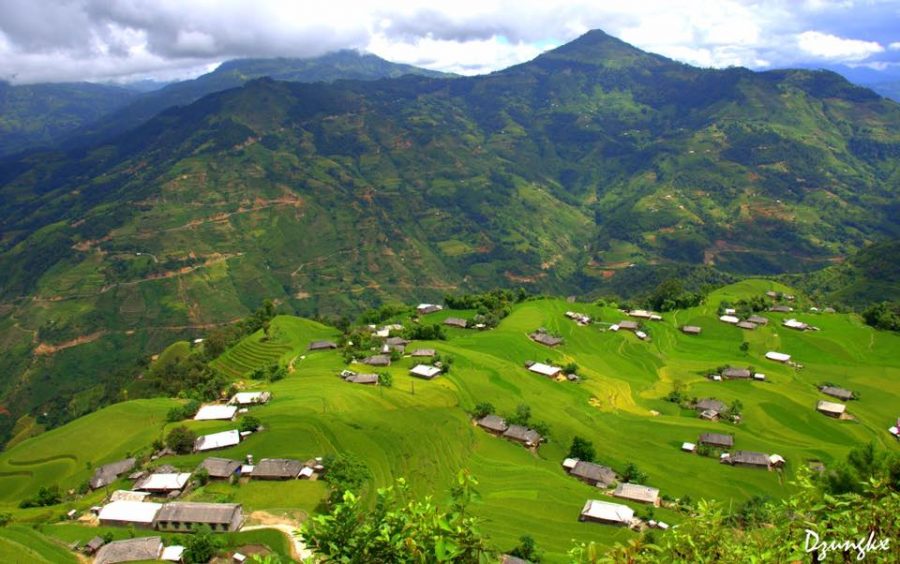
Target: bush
column 582, row 449
column 482, row 409
column 249, row 423
column 344, row 472
column 202, row 546
column 46, row 495
column 181, row 440
column 633, row 474
column 385, row 379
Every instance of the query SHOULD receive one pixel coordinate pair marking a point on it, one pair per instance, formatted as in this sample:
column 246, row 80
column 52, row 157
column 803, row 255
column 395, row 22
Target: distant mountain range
column 82, row 113
column 559, row 175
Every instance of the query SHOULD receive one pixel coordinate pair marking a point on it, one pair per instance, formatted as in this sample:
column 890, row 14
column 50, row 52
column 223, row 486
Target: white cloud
column 836, row 48
column 102, row 39
column 895, row 46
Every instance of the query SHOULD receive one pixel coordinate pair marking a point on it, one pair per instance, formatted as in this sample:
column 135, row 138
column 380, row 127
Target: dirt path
column 45, row 349
column 287, row 526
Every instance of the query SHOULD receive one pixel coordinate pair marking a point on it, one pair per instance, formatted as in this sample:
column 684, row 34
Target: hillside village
column 597, row 416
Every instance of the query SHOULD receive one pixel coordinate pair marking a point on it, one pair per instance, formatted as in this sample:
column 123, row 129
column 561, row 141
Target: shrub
column 249, row 423
column 181, row 439
column 483, row 408
column 582, row 449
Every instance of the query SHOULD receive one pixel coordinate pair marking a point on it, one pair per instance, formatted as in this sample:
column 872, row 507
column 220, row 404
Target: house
column 367, row 379
column 637, row 492
column 220, row 468
column 377, row 360
column 776, row 461
column 641, row 335
column 736, row 373
column 605, row 512
column 174, row 553
column 396, row 342
column 93, row 545
column 130, row 550
column 322, row 345
column 777, row 356
column 425, row 309
column 214, row 441
column 186, row 516
column 163, row 483
column 493, row 424
column 108, row 473
column 141, row 514
column 749, row 325
column 593, row 474
column 831, row 409
column 691, row 329
column 524, row 435
column 545, row 369
column 579, row 318
column 629, row 325
column 423, row 353
column 759, row 377
column 758, row 319
column 716, row 440
column 688, row 447
column 216, row 412
column 251, row 398
column 781, row 309
column 729, row 319
column 640, row 314
column 710, row 403
column 839, row 393
column 709, row 415
column 128, row 495
column 456, row 322
column 748, row 458
column 277, row 469
column 545, row 338
column 794, row 324
column 425, row 371
column 773, row 295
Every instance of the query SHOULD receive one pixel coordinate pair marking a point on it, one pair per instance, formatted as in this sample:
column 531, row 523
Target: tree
column 344, row 472
column 385, row 379
column 745, row 346
column 633, row 474
column 582, row 449
column 250, row 423
column 571, row 368
column 201, row 476
column 5, row 519
column 526, row 550
column 482, row 409
column 399, row 529
column 201, row 546
column 522, row 416
column 181, row 439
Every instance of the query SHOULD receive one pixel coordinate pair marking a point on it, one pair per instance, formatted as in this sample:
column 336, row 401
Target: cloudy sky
column 98, row 40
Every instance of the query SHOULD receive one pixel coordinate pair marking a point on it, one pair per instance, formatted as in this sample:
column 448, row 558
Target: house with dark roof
column 781, row 309
column 736, row 373
column 220, row 468
column 322, row 345
column 629, row 325
column 831, row 409
column 758, row 319
column 377, row 360
column 457, row 322
column 710, row 403
column 185, row 516
column 691, row 329
column 93, row 545
column 396, row 342
column 366, row 379
column 593, row 474
column 717, row 440
column 277, row 469
column 749, row 459
column 835, row 392
column 427, row 353
column 109, row 473
column 130, row 550
column 748, row 325
column 544, row 338
column 493, row 424
column 524, row 435
column 425, row 309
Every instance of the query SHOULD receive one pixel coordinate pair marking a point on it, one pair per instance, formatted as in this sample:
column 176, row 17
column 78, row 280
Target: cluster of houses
column 746, row 458
column 731, row 373
column 834, row 409
column 496, row 425
column 579, row 318
column 175, row 516
column 635, row 326
column 710, row 409
column 751, row 323
column 606, row 512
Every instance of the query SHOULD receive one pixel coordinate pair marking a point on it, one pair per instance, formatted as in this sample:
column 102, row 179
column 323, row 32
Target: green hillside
column 421, row 430
column 590, row 165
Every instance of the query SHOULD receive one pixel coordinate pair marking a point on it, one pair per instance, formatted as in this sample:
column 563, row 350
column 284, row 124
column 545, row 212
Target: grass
column 22, row 545
column 420, row 430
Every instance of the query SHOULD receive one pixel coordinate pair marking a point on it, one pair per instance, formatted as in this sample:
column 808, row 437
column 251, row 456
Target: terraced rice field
column 421, row 430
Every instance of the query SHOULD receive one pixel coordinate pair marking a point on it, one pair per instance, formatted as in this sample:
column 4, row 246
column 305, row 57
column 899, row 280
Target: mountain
column 885, row 82
column 82, row 114
column 39, row 114
column 339, row 65
column 557, row 175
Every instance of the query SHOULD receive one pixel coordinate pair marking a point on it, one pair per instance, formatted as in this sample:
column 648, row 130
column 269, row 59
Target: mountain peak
column 596, row 47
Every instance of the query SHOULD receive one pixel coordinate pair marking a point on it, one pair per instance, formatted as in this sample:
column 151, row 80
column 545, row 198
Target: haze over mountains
column 557, row 174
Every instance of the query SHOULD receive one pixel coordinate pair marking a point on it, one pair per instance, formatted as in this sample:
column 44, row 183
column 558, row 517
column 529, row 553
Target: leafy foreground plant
column 399, row 529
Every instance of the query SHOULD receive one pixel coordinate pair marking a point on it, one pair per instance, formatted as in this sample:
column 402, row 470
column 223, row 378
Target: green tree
column 385, row 379
column 249, row 423
column 181, row 439
column 482, row 409
column 633, row 474
column 582, row 449
column 201, row 546
column 522, row 415
column 344, row 472
column 526, row 550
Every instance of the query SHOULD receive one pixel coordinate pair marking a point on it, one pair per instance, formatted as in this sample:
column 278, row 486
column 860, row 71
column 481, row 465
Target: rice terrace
column 633, row 398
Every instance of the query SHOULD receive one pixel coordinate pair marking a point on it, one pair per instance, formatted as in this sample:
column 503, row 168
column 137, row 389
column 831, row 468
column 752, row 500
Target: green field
column 421, row 430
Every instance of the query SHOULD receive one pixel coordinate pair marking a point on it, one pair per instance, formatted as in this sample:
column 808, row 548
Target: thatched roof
column 130, row 550
column 283, row 468
column 593, row 472
column 220, row 467
column 717, row 439
column 493, row 423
